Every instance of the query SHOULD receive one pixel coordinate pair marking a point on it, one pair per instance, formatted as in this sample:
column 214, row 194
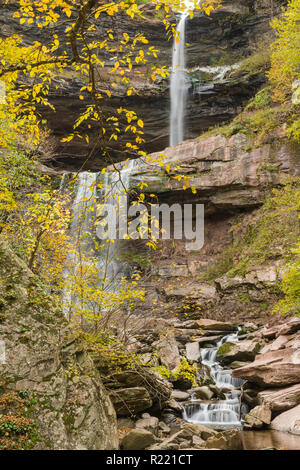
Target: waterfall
column 219, row 414
column 81, row 230
column 91, row 190
column 178, row 90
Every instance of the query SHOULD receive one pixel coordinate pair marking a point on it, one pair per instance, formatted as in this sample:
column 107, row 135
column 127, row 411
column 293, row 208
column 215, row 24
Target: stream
column 223, row 413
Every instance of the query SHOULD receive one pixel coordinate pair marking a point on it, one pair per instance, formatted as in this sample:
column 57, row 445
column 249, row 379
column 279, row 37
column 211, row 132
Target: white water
column 219, row 414
column 178, row 90
column 83, row 229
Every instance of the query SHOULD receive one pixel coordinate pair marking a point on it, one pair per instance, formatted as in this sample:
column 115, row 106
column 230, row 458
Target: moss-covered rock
column 67, row 405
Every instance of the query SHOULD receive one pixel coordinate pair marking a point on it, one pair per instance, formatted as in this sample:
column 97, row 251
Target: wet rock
column 273, row 369
column 192, row 351
column 203, row 393
column 179, row 395
column 130, row 401
column 245, row 350
column 138, row 439
column 279, row 400
column 289, row 421
column 168, row 351
column 258, row 417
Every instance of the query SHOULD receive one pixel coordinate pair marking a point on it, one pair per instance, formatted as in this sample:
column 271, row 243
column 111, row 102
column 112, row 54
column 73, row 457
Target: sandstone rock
column 258, row 417
column 192, row 351
column 245, row 350
column 157, row 387
column 279, row 400
column 237, row 364
column 227, row 440
column 290, row 327
column 197, row 441
column 279, row 343
column 168, row 351
column 174, row 405
column 212, row 325
column 171, row 443
column 190, row 430
column 289, row 421
column 179, row 395
column 164, row 427
column 273, row 369
column 129, row 401
column 203, row 393
column 70, row 405
column 149, row 423
column 126, row 423
column 138, row 439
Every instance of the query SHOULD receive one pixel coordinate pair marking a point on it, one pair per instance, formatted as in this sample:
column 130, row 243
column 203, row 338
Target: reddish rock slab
column 279, row 400
column 273, row 369
column 289, row 421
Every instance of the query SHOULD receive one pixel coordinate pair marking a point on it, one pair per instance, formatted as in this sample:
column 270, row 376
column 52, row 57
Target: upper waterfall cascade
column 178, row 90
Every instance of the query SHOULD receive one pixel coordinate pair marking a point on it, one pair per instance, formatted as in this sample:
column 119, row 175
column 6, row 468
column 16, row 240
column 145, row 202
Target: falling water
column 83, row 233
column 222, row 413
column 178, row 85
column 81, row 230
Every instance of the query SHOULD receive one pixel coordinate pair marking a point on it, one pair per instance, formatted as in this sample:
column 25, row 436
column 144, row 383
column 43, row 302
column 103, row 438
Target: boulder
column 48, row 368
column 279, row 343
column 164, row 427
column 245, row 350
column 289, row 421
column 258, row 417
column 174, row 405
column 279, row 400
column 192, row 351
column 190, row 430
column 227, row 440
column 273, row 369
column 179, row 395
column 168, row 351
column 157, row 387
column 238, row 364
column 149, row 423
column 203, row 393
column 138, row 439
column 290, row 327
column 130, row 401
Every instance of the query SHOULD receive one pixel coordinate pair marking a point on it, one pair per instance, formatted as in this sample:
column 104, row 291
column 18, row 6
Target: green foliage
column 184, row 371
column 268, row 236
column 285, row 51
column 262, row 99
column 290, row 286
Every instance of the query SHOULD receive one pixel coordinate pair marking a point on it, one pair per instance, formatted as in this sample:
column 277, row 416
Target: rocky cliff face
column 51, row 395
column 226, row 37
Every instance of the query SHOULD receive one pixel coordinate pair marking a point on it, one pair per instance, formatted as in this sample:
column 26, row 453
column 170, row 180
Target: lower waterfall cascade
column 224, row 413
